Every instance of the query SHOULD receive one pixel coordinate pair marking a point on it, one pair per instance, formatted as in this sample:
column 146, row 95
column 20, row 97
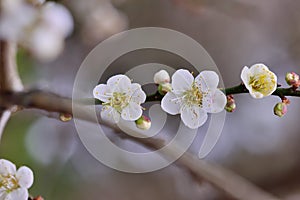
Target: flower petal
column 102, row 92
column 214, row 101
column 258, row 69
column 25, row 177
column 3, row 194
column 182, row 80
column 207, row 80
column 132, row 112
column 119, row 83
column 137, row 94
column 7, row 167
column 193, row 116
column 171, row 103
column 109, row 114
column 245, row 76
column 256, row 95
column 18, row 194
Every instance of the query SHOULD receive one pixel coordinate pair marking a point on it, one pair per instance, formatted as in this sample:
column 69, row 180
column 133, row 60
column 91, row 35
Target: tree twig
column 239, row 89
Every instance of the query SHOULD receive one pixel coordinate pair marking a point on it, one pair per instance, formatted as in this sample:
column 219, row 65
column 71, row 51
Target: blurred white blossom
column 61, row 141
column 98, row 19
column 14, row 184
column 58, row 18
column 13, row 24
column 40, row 29
column 45, row 44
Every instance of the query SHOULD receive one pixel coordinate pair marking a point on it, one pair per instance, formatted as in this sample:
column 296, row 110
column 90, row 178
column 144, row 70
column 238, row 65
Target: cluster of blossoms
column 38, row 26
column 183, row 94
column 14, row 184
column 261, row 82
column 191, row 97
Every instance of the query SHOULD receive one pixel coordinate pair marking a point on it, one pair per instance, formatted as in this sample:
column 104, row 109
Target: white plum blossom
column 161, row 77
column 259, row 80
column 14, row 183
column 194, row 98
column 120, row 97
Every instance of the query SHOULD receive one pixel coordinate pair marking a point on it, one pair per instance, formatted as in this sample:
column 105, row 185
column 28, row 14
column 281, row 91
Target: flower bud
column 280, row 109
column 163, row 88
column 65, row 117
column 143, row 123
column 292, row 79
column 230, row 106
column 38, row 198
column 161, row 77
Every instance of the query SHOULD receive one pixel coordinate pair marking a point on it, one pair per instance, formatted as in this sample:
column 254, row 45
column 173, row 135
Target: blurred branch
column 9, row 78
column 230, row 183
column 4, row 117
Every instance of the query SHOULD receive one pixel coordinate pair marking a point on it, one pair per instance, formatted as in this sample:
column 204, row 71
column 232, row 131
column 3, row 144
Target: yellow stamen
column 194, row 96
column 118, row 101
column 9, row 183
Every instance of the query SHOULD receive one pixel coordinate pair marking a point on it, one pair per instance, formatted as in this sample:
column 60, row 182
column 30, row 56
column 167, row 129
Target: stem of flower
column 239, row 89
column 280, row 92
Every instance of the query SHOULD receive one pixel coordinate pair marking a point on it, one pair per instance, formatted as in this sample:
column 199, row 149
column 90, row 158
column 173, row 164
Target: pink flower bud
column 230, row 106
column 143, row 123
column 38, row 198
column 280, row 109
column 292, row 79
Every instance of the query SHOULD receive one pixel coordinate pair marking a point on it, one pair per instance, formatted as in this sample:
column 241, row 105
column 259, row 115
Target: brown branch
column 230, row 183
column 9, row 78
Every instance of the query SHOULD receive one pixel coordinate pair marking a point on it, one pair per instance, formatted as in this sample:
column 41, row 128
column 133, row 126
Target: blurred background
column 255, row 143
